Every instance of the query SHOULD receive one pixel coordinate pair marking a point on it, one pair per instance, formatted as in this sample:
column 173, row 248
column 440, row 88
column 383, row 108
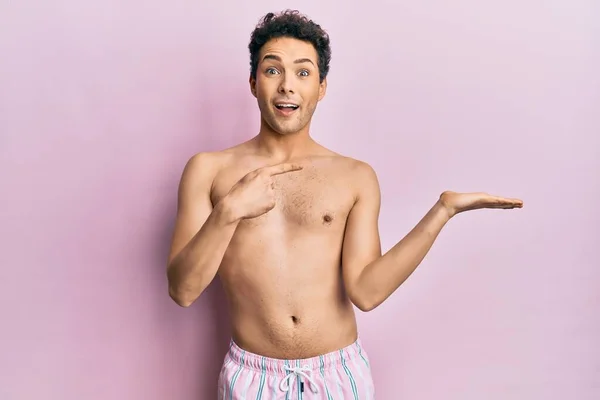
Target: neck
column 284, row 147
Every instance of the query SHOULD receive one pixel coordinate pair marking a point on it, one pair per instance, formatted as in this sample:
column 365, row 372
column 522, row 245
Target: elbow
column 364, row 302
column 182, row 299
column 365, row 306
column 182, row 296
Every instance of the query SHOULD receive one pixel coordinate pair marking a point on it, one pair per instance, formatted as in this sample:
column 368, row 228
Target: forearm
column 383, row 276
column 194, row 268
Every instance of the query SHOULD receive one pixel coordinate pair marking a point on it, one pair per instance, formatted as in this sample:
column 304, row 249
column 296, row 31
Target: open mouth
column 286, row 106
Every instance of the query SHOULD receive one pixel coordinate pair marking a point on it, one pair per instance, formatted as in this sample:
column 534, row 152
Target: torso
column 282, row 270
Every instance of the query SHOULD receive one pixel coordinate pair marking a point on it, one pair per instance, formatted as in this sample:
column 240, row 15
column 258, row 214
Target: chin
column 286, row 128
column 287, row 131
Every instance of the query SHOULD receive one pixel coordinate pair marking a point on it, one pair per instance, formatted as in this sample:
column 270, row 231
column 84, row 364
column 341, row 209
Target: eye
column 304, row 73
column 272, row 71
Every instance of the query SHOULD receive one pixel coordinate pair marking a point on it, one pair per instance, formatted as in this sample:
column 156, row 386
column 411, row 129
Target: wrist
column 443, row 211
column 225, row 211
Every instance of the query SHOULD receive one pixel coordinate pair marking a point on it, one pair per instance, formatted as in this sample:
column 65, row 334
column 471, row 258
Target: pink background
column 103, row 102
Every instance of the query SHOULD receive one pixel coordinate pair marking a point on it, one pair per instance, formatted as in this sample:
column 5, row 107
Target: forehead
column 289, row 49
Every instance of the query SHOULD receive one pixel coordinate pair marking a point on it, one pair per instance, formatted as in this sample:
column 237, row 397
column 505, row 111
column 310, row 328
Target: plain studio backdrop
column 103, row 102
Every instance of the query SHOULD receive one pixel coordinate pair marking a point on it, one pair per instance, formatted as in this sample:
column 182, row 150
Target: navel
column 295, row 319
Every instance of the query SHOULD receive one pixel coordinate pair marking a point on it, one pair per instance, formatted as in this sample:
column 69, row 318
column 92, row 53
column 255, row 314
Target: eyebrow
column 298, row 61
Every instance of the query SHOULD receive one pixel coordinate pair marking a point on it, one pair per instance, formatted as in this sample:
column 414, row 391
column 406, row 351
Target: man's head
column 289, row 63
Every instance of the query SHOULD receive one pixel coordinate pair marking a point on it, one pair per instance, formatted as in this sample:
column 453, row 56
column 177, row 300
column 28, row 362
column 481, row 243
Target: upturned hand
column 456, row 203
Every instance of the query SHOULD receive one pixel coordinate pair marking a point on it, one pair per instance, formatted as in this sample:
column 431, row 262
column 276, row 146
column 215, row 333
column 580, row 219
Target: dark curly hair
column 290, row 23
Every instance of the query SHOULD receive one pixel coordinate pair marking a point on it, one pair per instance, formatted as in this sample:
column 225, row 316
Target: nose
column 286, row 84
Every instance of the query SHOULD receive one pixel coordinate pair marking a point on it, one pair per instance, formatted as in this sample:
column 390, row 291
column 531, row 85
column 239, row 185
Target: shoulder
column 363, row 169
column 201, row 164
column 201, row 168
column 358, row 171
column 215, row 160
column 349, row 167
column 362, row 178
column 358, row 175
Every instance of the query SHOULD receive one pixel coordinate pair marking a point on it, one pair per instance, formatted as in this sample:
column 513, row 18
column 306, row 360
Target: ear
column 252, row 82
column 322, row 89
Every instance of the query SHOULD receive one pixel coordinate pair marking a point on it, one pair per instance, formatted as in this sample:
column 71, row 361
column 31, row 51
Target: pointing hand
column 253, row 195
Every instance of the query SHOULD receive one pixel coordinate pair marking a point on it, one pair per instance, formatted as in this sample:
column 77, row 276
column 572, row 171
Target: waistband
column 278, row 366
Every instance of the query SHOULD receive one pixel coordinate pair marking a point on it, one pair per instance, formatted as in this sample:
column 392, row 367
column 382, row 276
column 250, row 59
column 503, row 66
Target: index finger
column 282, row 168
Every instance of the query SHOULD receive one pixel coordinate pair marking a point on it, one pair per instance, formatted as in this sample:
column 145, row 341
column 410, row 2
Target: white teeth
column 287, row 105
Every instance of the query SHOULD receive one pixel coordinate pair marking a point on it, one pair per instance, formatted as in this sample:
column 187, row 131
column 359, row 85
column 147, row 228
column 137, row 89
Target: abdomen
column 286, row 294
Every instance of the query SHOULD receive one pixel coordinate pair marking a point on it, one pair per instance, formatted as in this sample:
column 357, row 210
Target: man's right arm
column 201, row 234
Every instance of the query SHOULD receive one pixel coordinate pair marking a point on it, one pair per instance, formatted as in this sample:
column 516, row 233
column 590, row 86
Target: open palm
column 460, row 202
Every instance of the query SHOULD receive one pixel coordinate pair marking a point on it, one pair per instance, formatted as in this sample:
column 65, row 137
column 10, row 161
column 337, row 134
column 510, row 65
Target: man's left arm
column 369, row 277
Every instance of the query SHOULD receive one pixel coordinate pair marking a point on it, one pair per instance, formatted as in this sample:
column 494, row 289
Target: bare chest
column 311, row 198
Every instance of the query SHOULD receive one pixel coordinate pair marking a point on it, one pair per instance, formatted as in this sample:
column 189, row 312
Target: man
column 291, row 228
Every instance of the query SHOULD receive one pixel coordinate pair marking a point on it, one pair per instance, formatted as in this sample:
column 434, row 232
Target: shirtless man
column 291, row 228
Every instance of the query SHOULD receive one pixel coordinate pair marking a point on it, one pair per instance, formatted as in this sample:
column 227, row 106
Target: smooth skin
column 290, row 227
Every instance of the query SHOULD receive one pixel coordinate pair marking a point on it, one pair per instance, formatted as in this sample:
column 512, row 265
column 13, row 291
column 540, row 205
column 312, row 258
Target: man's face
column 287, row 84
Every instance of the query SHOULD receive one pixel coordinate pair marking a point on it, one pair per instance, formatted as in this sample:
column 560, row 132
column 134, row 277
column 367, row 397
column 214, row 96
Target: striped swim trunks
column 344, row 374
